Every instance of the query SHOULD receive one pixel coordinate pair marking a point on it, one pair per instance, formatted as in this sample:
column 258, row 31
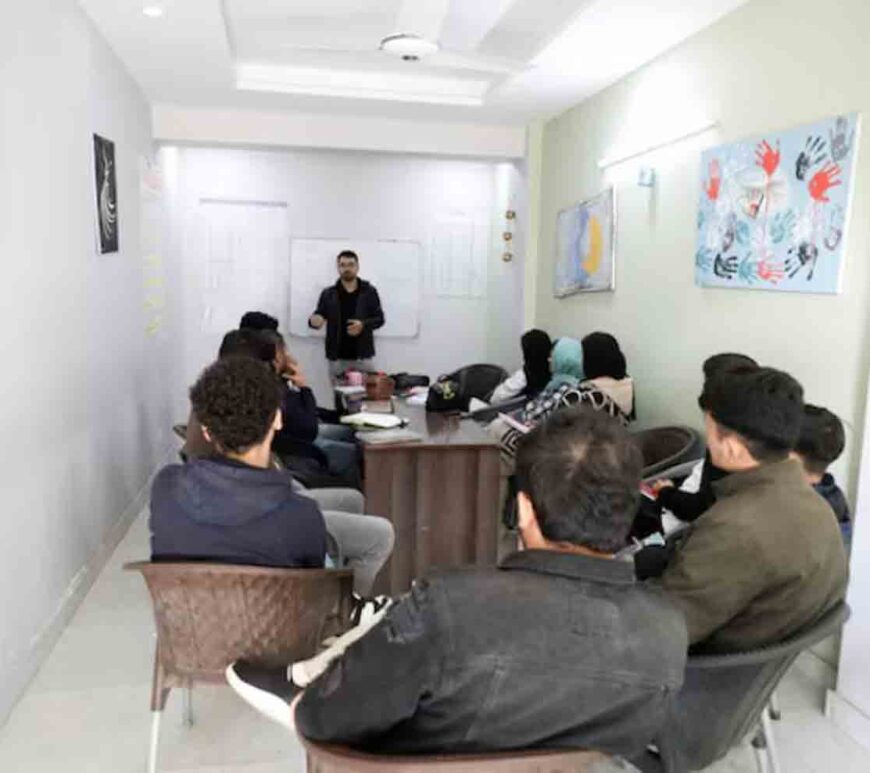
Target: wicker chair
column 209, row 615
column 326, row 758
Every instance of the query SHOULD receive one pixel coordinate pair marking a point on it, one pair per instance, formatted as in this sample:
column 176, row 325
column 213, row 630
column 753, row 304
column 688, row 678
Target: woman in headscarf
column 531, row 379
column 569, row 385
column 604, row 368
column 566, row 364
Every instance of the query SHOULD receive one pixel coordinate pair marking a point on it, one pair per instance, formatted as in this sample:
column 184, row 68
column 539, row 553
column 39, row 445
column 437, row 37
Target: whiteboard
column 393, row 267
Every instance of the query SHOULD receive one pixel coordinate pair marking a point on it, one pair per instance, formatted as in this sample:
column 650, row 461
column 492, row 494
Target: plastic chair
column 210, row 615
column 327, row 758
column 664, row 447
column 726, row 697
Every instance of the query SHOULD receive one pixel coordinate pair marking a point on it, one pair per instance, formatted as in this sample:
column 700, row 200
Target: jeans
column 364, row 542
column 338, row 442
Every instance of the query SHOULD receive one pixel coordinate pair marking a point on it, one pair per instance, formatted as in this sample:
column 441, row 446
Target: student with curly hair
column 235, row 507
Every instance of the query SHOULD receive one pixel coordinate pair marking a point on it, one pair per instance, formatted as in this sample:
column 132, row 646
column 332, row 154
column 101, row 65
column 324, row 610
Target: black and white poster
column 107, row 194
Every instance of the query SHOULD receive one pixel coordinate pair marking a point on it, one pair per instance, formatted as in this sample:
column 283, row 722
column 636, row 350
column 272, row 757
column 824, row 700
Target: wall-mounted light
column 685, row 134
column 153, row 11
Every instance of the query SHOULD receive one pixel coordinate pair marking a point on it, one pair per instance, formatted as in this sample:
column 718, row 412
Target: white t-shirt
column 513, row 386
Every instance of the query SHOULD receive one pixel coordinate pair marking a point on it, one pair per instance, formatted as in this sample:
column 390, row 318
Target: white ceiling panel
column 323, row 55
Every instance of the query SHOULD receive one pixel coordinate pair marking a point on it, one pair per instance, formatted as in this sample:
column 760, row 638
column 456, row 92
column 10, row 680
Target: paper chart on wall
column 458, row 248
column 153, row 228
column 243, row 261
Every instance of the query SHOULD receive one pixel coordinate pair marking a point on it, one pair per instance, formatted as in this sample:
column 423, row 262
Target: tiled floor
column 87, row 710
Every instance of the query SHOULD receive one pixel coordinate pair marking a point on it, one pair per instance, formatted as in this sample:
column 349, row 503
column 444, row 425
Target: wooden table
column 441, row 494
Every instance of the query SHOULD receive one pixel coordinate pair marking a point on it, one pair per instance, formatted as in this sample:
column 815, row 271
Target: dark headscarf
column 536, row 346
column 602, row 357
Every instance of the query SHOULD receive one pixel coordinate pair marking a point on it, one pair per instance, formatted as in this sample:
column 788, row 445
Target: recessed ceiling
column 500, row 61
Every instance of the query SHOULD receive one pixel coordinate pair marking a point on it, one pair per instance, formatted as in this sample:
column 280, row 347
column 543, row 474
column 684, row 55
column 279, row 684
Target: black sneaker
column 268, row 690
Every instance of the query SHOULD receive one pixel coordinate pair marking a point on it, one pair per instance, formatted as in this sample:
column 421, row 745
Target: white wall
column 366, row 196
column 83, row 398
column 211, row 126
column 770, row 65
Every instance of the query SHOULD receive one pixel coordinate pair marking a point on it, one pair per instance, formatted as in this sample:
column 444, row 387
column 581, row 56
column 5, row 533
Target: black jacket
column 551, row 650
column 368, row 311
column 228, row 512
column 689, row 506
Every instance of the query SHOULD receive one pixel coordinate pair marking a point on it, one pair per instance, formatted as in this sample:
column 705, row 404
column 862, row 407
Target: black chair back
column 723, row 696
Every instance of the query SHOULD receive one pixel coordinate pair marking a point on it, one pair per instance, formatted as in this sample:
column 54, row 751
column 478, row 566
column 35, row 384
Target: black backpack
column 445, row 397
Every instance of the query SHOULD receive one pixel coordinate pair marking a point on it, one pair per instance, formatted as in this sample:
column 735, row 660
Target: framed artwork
column 774, row 209
column 107, row 194
column 585, row 246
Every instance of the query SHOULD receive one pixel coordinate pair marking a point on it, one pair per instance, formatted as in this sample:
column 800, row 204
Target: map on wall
column 585, row 236
column 774, row 209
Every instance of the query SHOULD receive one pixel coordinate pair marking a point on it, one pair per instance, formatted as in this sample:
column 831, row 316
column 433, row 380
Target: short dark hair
column 822, row 439
column 347, row 254
column 581, row 470
column 763, row 405
column 236, row 399
column 258, row 320
column 719, row 363
column 722, row 363
column 255, row 344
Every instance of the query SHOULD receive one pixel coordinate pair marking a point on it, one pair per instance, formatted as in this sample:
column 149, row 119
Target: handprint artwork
column 774, row 210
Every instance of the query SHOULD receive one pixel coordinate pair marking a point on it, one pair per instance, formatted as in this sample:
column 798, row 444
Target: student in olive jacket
column 766, row 560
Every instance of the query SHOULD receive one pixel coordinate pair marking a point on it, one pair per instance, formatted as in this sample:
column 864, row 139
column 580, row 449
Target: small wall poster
column 585, row 238
column 107, row 194
column 774, row 209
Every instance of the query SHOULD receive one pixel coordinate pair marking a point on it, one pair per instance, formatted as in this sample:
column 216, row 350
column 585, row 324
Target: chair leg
column 759, row 747
column 772, row 752
column 155, row 741
column 188, row 705
column 773, row 707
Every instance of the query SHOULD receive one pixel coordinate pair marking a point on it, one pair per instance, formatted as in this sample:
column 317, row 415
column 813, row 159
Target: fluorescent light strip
column 606, row 163
column 360, row 85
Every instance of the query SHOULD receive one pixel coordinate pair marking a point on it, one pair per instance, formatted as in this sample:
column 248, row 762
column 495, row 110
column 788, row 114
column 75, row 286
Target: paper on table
column 377, row 420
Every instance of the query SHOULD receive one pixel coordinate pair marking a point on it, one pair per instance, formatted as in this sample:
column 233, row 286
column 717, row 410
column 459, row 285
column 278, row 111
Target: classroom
column 450, row 385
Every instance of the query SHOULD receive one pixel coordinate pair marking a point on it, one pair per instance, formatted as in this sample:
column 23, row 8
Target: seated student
column 335, row 440
column 569, row 386
column 294, row 443
column 766, row 559
column 530, row 380
column 695, row 496
column 223, row 506
column 556, row 648
column 258, row 320
column 233, row 507
column 820, row 444
column 604, row 368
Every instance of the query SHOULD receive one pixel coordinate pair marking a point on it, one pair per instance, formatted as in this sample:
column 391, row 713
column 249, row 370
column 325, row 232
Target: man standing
column 351, row 311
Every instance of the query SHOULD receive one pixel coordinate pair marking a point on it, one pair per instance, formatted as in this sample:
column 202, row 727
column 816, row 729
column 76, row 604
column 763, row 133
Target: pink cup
column 354, row 378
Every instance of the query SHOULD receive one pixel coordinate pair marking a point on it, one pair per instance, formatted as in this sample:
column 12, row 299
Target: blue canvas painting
column 774, row 210
column 585, row 237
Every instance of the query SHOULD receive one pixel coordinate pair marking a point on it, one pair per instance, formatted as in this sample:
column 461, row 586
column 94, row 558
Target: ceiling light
column 409, row 47
column 153, row 11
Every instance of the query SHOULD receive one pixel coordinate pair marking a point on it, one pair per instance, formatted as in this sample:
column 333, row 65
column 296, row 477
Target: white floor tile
column 87, row 710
